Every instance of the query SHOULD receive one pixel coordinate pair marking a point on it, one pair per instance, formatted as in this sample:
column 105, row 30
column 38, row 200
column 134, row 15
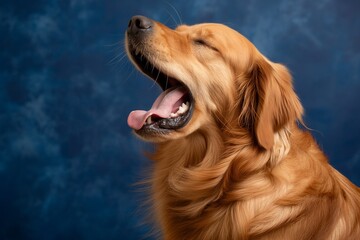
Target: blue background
column 68, row 161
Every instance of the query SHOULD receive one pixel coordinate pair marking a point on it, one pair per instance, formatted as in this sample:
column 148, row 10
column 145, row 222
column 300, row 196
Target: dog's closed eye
column 199, row 41
column 204, row 43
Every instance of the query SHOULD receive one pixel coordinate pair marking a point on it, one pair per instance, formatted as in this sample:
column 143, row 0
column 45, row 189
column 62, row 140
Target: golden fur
column 241, row 168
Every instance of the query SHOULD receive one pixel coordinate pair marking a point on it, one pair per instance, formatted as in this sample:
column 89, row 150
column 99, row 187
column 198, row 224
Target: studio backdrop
column 69, row 163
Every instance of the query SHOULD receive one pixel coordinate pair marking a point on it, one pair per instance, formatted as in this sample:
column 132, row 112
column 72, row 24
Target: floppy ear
column 268, row 101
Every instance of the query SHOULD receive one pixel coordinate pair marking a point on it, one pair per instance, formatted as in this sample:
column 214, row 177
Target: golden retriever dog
column 231, row 158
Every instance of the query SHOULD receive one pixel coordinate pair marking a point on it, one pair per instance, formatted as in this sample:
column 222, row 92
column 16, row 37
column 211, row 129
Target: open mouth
column 173, row 107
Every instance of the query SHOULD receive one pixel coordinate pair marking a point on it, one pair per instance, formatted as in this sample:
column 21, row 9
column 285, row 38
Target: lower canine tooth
column 148, row 120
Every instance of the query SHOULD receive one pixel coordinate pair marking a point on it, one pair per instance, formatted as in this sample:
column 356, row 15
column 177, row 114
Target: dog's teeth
column 149, row 120
column 181, row 110
column 173, row 115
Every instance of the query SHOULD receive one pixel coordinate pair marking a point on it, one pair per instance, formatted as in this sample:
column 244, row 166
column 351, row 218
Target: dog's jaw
column 173, row 109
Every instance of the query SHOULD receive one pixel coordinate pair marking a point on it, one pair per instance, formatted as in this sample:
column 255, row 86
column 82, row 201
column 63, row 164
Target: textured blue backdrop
column 68, row 159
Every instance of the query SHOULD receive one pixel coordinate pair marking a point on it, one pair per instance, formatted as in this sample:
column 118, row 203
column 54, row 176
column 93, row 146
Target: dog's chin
column 195, row 124
column 162, row 130
column 156, row 137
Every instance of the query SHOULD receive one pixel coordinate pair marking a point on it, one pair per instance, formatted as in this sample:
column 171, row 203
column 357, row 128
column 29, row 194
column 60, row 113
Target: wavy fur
column 241, row 168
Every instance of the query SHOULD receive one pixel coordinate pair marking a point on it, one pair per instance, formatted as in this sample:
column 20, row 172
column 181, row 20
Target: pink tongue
column 164, row 105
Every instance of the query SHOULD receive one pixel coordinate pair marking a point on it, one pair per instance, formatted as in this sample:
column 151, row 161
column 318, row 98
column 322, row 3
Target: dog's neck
column 199, row 166
column 198, row 149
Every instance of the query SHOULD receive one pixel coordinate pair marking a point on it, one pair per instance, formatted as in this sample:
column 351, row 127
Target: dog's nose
column 139, row 24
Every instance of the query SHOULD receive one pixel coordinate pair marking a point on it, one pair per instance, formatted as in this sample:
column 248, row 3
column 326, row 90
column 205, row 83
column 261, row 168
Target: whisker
column 167, row 81
column 117, row 58
column 157, row 77
column 172, row 18
column 120, row 42
column 176, row 12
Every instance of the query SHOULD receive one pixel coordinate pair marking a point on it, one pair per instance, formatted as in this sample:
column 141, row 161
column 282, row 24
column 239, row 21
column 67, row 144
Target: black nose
column 139, row 24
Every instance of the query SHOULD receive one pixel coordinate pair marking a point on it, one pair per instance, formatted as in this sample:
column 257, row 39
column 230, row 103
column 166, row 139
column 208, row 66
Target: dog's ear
column 268, row 101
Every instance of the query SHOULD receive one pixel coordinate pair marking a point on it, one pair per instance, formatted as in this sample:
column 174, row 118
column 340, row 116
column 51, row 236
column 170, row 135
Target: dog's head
column 211, row 76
